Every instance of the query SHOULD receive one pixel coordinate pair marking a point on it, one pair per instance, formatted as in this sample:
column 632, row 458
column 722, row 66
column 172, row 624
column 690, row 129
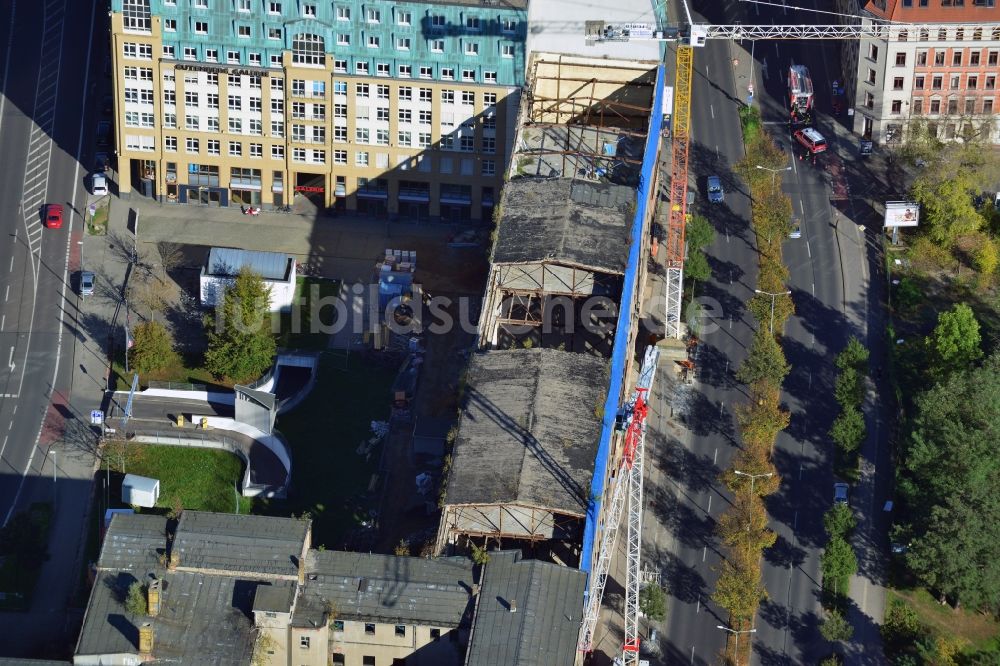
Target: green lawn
column 23, row 548
column 977, row 632
column 98, row 225
column 328, row 477
column 297, row 334
column 191, row 478
column 189, row 372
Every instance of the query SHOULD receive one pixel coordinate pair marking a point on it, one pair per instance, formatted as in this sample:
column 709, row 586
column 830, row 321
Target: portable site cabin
column 140, row 490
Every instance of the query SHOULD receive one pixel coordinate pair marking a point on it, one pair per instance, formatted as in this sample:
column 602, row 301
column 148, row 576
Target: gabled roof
column 547, row 604
column 529, row 429
column 385, row 588
column 134, row 541
column 248, row 544
column 227, row 262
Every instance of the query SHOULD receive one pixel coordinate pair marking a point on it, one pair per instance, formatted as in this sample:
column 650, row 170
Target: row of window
column 946, row 34
column 935, row 106
column 954, row 82
column 953, row 3
column 317, row 133
column 958, row 58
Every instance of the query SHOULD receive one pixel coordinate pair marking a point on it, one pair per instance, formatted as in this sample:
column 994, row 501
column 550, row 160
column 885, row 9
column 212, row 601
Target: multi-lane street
column 829, row 280
column 43, row 116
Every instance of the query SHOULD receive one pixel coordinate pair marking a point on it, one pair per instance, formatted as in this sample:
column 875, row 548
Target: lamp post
column 774, row 173
column 737, row 634
column 753, row 478
column 773, row 296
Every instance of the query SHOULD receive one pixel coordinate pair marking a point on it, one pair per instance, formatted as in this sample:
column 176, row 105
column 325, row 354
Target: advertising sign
column 902, row 214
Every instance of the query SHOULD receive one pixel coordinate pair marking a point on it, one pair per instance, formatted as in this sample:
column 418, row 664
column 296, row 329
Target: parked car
column 796, row 231
column 101, row 162
column 103, row 133
column 86, row 283
column 108, row 105
column 840, row 493
column 715, row 192
column 53, row 216
column 811, row 140
column 99, row 184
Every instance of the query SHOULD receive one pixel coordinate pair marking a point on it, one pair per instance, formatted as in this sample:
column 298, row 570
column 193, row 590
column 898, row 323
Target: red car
column 53, row 216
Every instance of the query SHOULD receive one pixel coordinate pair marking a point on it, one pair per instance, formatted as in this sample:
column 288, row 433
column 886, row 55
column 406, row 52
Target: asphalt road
column 42, row 121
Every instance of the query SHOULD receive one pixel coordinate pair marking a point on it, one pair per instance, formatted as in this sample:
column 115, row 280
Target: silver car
column 796, row 231
column 86, row 283
column 715, row 192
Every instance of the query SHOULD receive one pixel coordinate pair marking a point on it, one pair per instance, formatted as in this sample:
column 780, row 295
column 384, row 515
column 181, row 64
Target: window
column 213, row 147
column 400, row 630
column 468, row 75
column 373, row 41
column 309, row 11
column 426, row 95
column 361, row 68
column 274, row 33
column 191, row 145
column 869, row 100
column 243, row 31
column 955, row 79
column 447, row 96
column 437, row 45
column 212, row 123
column 212, row 100
column 489, row 145
column 897, row 83
column 340, row 157
column 507, row 50
column 871, row 76
column 489, row 99
column 900, row 59
column 405, row 94
column 361, row 90
column 201, row 27
column 277, row 85
column 256, row 127
column 318, row 134
column 424, row 117
column 303, row 640
column 489, row 168
column 277, row 152
column 319, row 156
column 170, row 143
column 298, row 132
column 437, row 21
column 992, row 58
column 360, row 159
column 972, row 82
column 405, row 116
column 308, row 50
column 367, row 661
column 135, row 15
column 277, row 106
column 918, row 106
column 467, row 144
column 275, row 60
column 970, row 105
column 405, row 71
column 382, row 114
column 340, row 66
column 918, row 83
column 956, row 59
column 402, row 43
column 236, row 125
column 974, row 58
column 490, row 77
column 170, row 120
column 381, row 92
column 373, row 16
column 381, row 69
column 277, row 129
column 468, row 97
column 319, row 111
column 987, row 106
column 361, row 136
column 243, row 5
column 935, row 106
column 190, row 98
column 298, row 110
column 471, row 49
column 897, row 106
column 382, row 137
column 299, row 154
column 274, row 8
column 508, row 25
column 921, row 58
column 424, row 140
column 936, row 83
column 339, row 110
column 872, row 52
column 939, row 58
column 343, row 13
column 235, row 103
column 340, row 133
column 435, row 634
column 233, row 57
column 991, row 82
column 448, row 73
column 426, row 72
column 472, row 23
column 190, row 53
column 952, row 106
column 404, row 139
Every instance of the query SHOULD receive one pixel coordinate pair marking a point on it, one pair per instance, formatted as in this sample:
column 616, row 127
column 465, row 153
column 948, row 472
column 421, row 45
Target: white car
column 99, row 184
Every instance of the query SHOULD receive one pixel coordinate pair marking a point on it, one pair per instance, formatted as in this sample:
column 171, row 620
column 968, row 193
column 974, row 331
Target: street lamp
column 774, row 173
column 773, row 296
column 753, row 478
column 737, row 634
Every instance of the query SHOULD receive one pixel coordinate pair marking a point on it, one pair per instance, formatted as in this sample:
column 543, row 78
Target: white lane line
column 800, row 471
column 809, row 250
column 10, row 358
column 795, row 521
column 704, row 553
column 11, row 269
column 692, row 649
column 802, row 208
column 709, row 504
column 6, row 294
column 814, row 293
column 711, row 109
column 3, row 320
column 727, row 235
column 706, row 71
column 715, row 458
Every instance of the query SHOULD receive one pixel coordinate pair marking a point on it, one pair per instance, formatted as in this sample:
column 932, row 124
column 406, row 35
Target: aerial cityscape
column 500, row 332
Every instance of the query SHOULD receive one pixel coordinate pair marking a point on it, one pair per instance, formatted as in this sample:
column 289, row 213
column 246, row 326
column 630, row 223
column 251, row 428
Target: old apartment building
column 241, row 589
column 386, row 108
column 943, row 76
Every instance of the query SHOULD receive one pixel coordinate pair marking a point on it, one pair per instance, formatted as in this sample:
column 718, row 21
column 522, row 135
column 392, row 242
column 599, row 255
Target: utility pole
column 737, row 634
column 774, row 173
column 773, row 296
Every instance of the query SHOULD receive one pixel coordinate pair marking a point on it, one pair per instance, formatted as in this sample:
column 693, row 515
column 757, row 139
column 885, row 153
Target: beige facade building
column 383, row 108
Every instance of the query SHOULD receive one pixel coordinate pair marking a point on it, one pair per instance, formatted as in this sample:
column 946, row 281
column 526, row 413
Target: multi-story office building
column 942, row 73
column 388, row 108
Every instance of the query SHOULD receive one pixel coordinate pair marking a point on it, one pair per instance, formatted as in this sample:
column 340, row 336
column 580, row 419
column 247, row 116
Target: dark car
column 53, row 215
column 103, row 133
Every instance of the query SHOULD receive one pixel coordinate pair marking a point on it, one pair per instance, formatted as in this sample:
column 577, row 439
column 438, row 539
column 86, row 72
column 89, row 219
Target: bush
column 839, row 560
column 849, row 430
column 153, row 348
column 986, row 257
column 135, row 599
column 766, row 360
column 839, row 521
column 242, row 347
column 835, row 627
column 848, row 388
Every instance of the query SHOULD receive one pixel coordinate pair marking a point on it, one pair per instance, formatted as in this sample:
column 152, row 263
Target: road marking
column 722, row 406
column 795, row 521
column 712, row 110
column 727, row 235
column 715, row 458
column 6, row 294
column 800, row 471
column 11, row 269
column 706, row 71
column 704, row 553
column 776, row 51
column 3, row 320
column 709, row 504
column 814, row 293
column 10, row 358
column 802, row 208
column 809, row 250
column 692, row 653
column 810, row 379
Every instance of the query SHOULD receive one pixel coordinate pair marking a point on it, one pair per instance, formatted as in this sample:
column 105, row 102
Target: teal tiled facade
column 431, row 38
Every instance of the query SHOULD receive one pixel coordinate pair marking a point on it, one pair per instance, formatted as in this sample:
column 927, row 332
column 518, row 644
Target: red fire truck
column 800, row 95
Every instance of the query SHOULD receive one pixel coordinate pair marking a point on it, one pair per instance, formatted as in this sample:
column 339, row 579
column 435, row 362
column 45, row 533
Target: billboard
column 901, row 214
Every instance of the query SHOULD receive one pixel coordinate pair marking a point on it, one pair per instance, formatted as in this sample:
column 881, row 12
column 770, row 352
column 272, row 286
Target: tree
column 153, row 349
column 240, row 345
column 839, row 560
column 839, row 521
column 901, row 625
column 835, row 627
column 766, row 360
column 738, row 588
column 402, row 548
column 698, row 233
column 696, row 267
column 854, row 355
column 653, row 602
column 940, row 650
column 743, row 527
column 135, row 599
column 848, row 430
column 480, row 554
column 986, row 257
column 955, row 342
column 848, row 388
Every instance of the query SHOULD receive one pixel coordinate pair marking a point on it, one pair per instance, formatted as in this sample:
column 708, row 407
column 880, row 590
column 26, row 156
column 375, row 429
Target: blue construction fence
column 622, row 348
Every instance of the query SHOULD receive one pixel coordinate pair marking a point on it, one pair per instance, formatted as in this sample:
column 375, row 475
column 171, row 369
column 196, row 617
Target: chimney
column 175, row 561
column 153, row 598
column 513, row 605
column 145, row 639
